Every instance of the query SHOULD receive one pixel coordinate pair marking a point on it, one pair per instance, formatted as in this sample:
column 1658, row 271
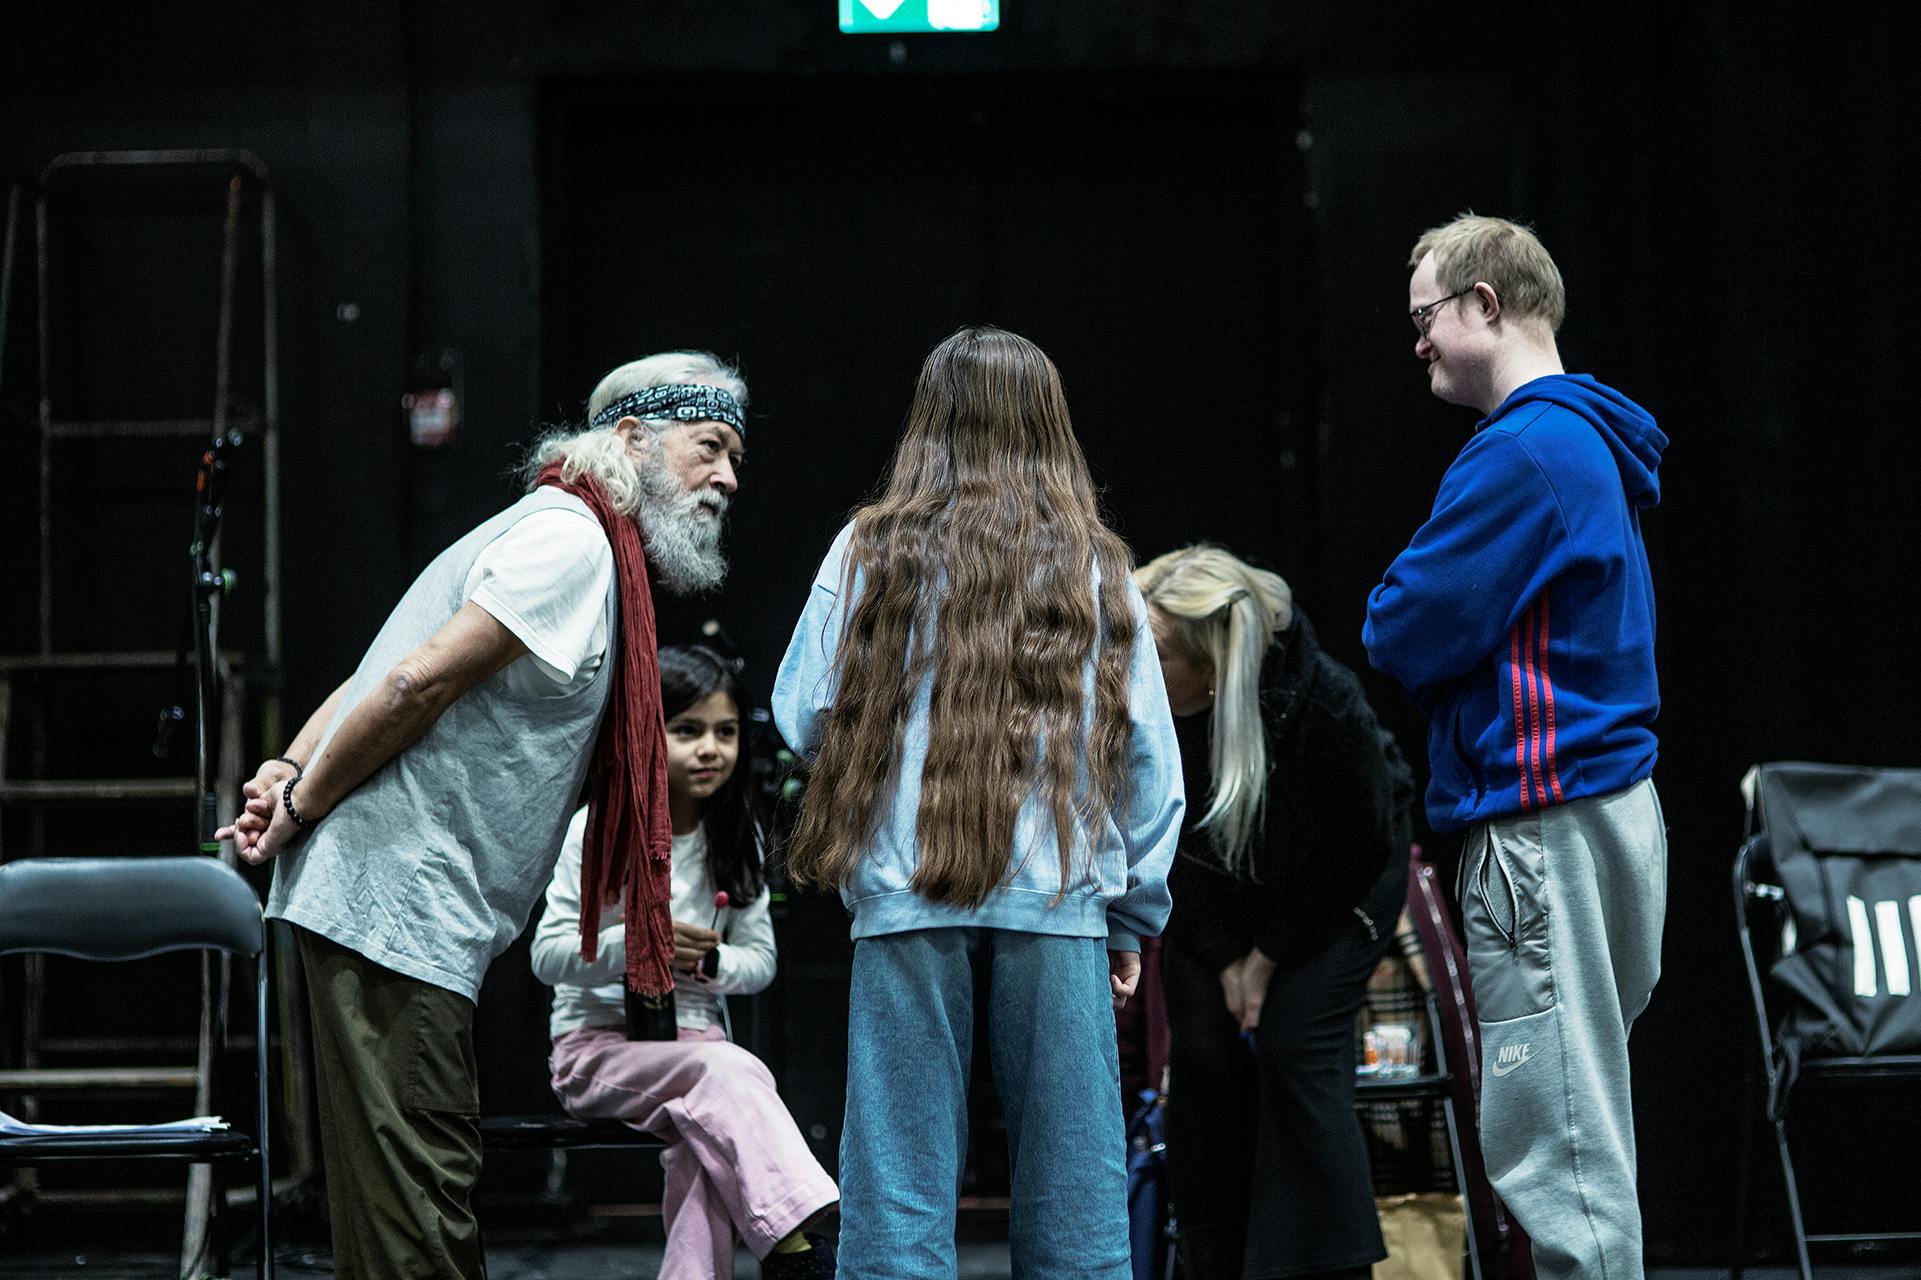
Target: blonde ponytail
column 1225, row 612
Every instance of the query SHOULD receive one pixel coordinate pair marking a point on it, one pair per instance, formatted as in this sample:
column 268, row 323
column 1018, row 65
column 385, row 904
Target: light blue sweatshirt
column 1119, row 894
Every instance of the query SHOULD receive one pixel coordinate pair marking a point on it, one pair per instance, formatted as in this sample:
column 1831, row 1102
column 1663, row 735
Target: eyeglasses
column 1423, row 315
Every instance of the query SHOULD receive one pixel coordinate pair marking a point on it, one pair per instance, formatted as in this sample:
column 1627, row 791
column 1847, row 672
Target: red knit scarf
column 630, row 833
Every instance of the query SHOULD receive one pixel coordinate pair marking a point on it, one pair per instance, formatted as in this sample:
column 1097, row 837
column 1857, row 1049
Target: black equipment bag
column 1844, row 844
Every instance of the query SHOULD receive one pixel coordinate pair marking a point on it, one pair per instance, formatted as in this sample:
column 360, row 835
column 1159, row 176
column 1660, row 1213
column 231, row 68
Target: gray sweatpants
column 1562, row 909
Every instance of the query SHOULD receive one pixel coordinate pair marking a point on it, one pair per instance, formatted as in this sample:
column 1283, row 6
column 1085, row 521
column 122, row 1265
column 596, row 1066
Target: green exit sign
column 863, row 17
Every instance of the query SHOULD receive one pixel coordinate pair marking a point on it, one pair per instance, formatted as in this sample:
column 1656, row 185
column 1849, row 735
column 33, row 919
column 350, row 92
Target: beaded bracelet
column 286, row 798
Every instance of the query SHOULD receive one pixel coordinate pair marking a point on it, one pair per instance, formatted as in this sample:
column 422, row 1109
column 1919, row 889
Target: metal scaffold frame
column 223, row 686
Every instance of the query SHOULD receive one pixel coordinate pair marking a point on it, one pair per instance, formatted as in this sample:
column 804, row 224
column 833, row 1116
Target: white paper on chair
column 12, row 1128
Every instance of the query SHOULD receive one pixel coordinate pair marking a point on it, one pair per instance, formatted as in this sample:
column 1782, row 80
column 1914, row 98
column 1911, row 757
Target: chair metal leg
column 1744, row 1185
column 1460, row 1182
column 196, row 1240
column 219, row 1228
column 263, row 1148
column 1794, row 1201
column 264, row 1251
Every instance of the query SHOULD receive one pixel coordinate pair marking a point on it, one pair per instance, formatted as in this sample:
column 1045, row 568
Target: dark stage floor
column 551, row 1259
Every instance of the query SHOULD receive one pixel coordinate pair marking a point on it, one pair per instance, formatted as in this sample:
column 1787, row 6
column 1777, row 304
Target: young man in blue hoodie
column 1521, row 620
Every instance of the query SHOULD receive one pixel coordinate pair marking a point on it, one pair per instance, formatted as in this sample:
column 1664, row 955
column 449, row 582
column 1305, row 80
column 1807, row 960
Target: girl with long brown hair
column 996, row 793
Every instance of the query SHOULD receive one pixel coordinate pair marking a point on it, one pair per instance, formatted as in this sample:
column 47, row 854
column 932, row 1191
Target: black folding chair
column 1425, row 1091
column 122, row 909
column 1827, row 897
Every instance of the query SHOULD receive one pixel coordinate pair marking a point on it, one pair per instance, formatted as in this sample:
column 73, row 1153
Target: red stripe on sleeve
column 1520, row 738
column 1547, row 698
column 1533, row 717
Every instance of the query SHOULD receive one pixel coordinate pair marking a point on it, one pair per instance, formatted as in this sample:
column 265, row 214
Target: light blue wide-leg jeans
column 1050, row 1028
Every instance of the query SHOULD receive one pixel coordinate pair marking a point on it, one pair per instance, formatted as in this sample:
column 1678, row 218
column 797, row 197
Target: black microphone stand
column 209, row 581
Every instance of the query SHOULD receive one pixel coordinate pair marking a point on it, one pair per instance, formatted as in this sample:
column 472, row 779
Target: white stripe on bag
column 1894, row 947
column 1914, row 918
column 1863, row 947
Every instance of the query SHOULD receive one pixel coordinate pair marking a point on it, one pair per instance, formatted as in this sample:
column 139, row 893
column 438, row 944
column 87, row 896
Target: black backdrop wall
column 1202, row 211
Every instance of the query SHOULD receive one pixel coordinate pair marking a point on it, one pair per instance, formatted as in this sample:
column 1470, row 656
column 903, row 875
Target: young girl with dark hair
column 736, row 1163
column 996, row 792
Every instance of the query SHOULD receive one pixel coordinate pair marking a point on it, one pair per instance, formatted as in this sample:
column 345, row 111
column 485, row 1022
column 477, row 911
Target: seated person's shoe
column 813, row 1263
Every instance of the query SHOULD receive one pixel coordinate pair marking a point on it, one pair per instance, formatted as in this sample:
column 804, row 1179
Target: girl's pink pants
column 735, row 1161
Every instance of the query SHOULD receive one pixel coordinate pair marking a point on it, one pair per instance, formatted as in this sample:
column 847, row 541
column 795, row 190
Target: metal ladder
column 38, row 675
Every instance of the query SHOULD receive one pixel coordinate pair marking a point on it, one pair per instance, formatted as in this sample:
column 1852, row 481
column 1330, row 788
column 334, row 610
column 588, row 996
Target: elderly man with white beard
column 417, row 815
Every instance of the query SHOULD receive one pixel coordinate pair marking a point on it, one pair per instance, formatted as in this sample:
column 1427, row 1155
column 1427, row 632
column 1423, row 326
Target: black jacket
column 1339, row 815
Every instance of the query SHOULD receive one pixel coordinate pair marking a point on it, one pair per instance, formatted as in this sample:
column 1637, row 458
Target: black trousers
column 1263, row 1147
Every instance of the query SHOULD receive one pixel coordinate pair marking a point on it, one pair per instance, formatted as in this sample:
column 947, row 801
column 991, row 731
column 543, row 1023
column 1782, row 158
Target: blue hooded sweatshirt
column 1521, row 617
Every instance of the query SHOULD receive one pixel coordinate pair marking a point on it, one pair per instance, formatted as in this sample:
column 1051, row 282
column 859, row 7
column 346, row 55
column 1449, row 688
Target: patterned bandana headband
column 681, row 402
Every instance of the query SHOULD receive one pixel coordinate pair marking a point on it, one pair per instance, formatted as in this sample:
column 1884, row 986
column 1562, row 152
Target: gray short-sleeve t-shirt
column 432, row 866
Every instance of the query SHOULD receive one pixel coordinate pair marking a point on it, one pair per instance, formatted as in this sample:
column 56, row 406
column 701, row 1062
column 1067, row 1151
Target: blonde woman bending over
column 1291, row 872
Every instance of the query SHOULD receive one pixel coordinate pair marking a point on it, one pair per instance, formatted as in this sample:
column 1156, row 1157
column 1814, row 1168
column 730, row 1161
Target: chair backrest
column 1841, row 845
column 1838, row 808
column 127, row 908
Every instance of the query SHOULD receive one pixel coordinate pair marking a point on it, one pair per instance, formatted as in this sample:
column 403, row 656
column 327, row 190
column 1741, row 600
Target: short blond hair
column 1473, row 249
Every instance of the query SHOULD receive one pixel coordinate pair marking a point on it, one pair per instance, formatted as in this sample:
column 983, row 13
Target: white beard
column 681, row 531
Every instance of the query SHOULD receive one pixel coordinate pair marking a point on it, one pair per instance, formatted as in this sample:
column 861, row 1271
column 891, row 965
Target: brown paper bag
column 1425, row 1234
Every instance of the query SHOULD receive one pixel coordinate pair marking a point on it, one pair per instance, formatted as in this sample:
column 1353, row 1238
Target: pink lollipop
column 720, row 905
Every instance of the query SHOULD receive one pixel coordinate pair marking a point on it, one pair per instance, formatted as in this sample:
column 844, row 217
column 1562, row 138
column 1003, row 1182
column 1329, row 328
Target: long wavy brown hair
column 977, row 559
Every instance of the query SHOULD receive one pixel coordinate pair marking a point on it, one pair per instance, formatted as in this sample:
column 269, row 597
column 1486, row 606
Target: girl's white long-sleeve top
column 589, row 995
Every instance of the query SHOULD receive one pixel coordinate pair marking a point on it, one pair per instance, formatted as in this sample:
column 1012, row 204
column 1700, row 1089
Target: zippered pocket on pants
column 1505, row 922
